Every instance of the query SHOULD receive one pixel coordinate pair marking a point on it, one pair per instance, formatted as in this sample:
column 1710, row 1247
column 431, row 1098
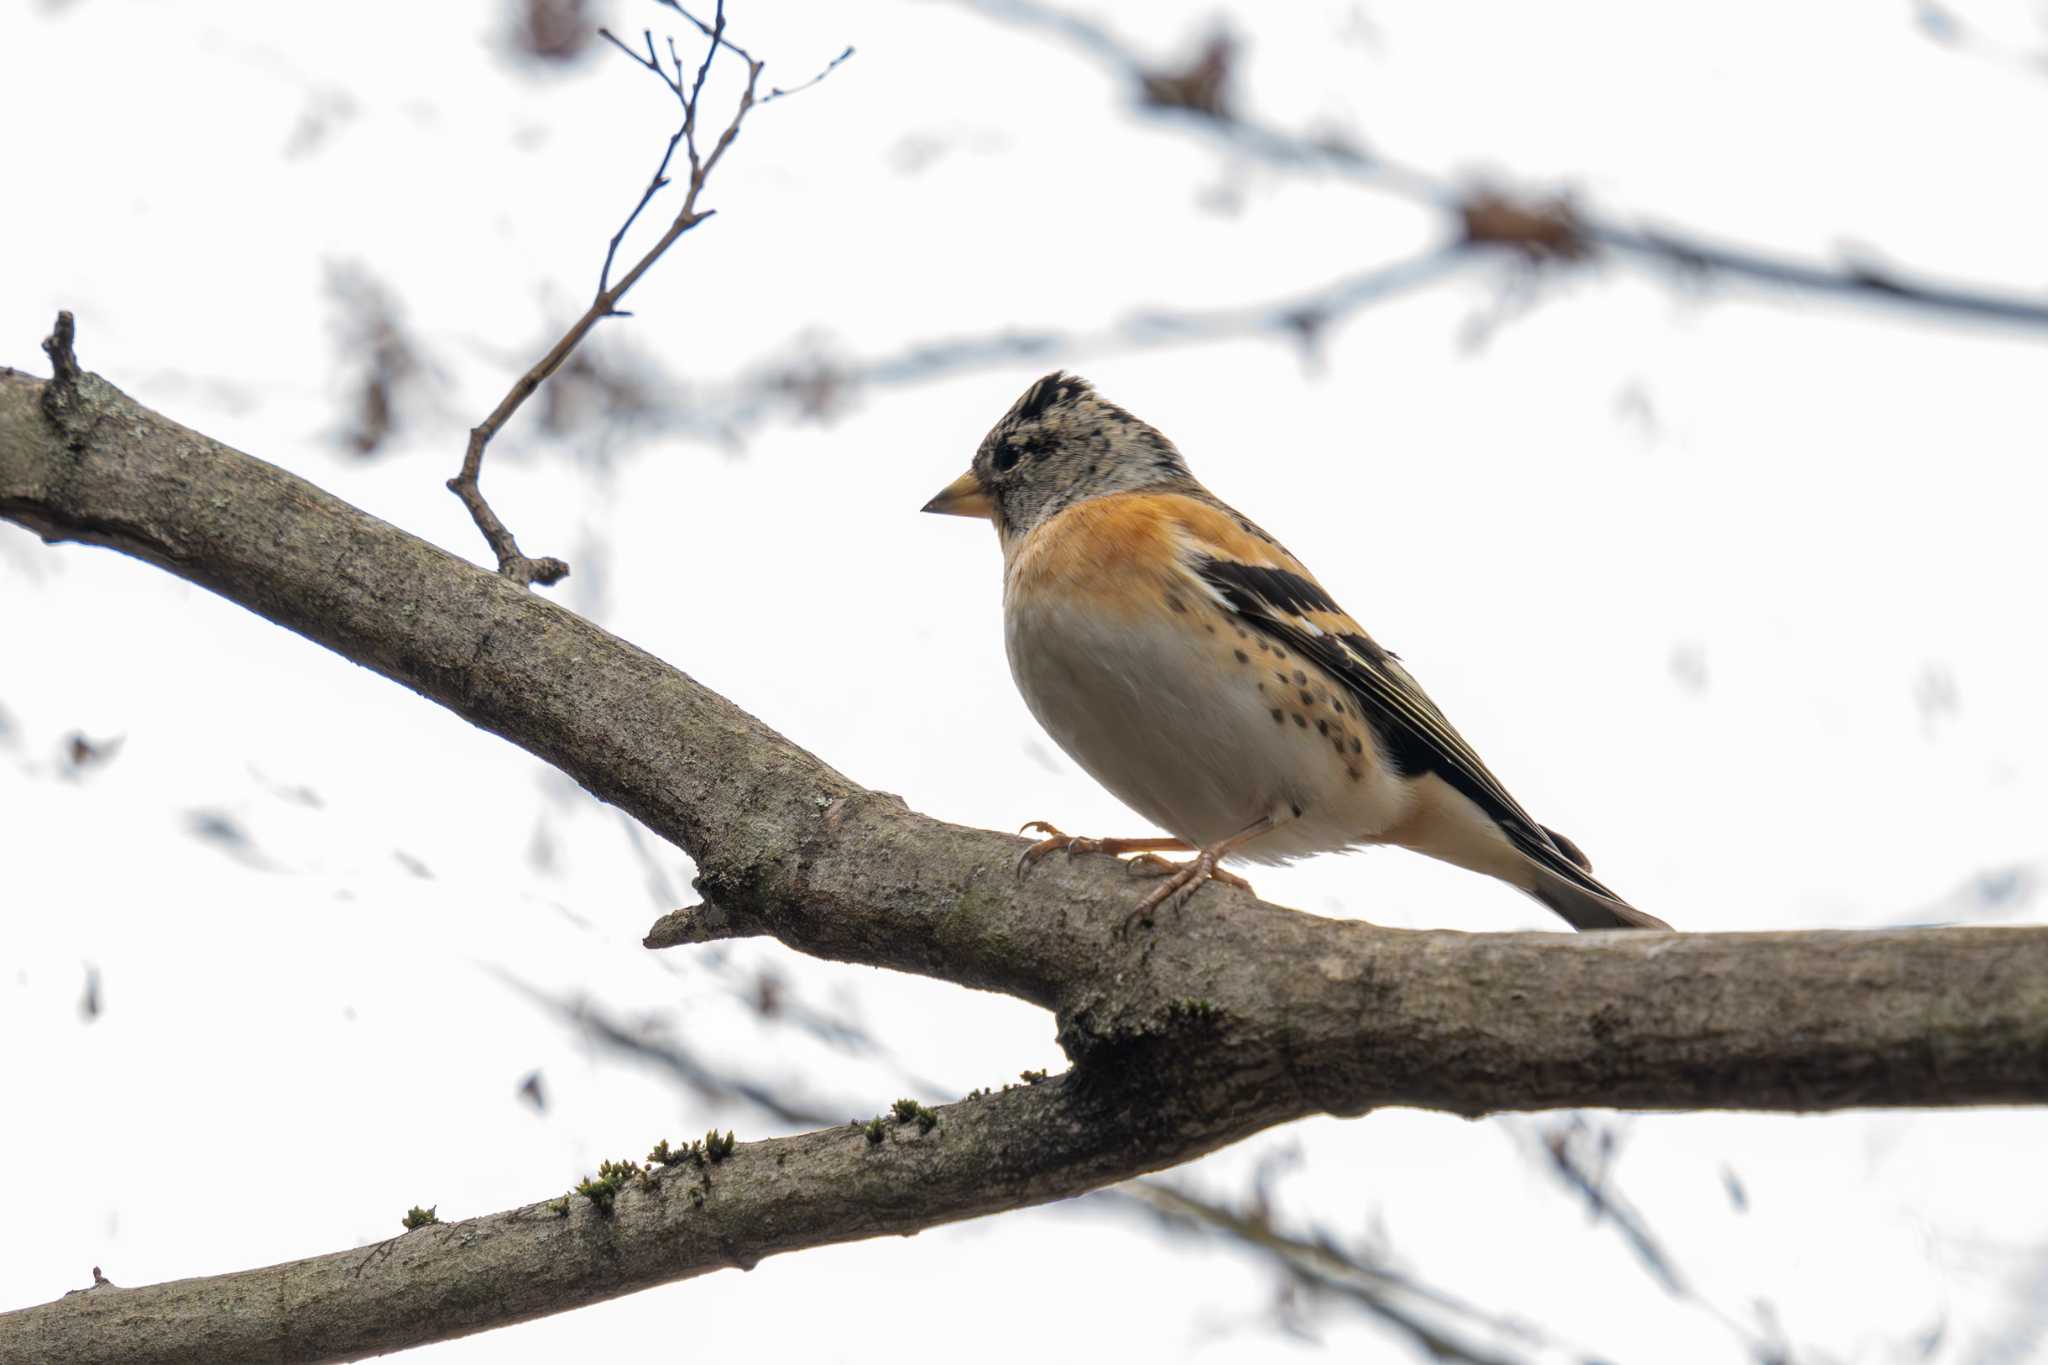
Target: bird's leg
column 1182, row 880
column 1056, row 841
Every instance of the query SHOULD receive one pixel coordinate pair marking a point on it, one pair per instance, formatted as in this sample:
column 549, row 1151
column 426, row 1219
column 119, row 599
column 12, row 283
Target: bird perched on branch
column 1198, row 671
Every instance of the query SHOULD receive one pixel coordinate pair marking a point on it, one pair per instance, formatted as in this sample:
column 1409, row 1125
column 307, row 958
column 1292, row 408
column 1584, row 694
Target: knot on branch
column 1541, row 230
column 705, row 923
column 546, row 571
column 1201, row 88
column 60, row 395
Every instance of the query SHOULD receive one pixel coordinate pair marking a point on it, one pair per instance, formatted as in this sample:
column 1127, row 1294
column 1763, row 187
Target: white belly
column 1178, row 727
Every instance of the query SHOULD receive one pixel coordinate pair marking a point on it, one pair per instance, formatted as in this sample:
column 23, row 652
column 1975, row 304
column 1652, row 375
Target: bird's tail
column 1585, row 908
column 1507, row 844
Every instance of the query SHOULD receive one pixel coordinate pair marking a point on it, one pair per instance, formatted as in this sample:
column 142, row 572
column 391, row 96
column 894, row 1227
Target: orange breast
column 1115, row 554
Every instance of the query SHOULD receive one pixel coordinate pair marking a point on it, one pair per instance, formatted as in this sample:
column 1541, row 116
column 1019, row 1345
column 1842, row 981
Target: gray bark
column 1230, row 1017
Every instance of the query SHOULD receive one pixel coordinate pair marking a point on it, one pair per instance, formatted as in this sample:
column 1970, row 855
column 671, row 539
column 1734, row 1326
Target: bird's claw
column 1179, row 881
column 1055, row 839
column 1182, row 881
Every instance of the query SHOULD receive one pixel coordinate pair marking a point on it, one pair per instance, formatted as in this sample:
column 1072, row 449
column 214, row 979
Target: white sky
column 1828, row 511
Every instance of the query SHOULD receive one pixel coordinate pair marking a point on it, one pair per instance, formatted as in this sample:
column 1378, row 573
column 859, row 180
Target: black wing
column 1415, row 735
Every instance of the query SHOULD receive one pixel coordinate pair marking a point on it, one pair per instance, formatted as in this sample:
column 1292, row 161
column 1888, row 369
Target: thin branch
column 778, row 92
column 712, row 30
column 1561, row 1148
column 1947, row 28
column 1692, row 255
column 1399, row 1300
column 512, row 563
column 659, row 180
column 819, row 385
column 1686, row 252
column 677, row 1060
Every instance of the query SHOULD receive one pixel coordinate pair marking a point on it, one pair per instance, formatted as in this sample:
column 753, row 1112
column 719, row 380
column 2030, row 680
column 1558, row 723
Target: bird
column 1197, row 670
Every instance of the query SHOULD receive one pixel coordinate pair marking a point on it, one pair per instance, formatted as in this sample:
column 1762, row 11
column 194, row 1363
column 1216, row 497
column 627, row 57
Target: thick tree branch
column 1230, row 1018
column 1023, row 1146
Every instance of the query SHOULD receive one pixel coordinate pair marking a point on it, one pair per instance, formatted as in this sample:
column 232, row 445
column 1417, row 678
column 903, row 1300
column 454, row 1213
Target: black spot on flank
column 1308, row 698
column 1276, row 715
column 1338, row 745
column 1263, row 646
column 1300, row 678
column 1296, row 810
column 1209, row 626
column 1301, row 720
column 1356, row 747
column 1243, row 658
column 1322, row 727
column 1281, row 676
column 1240, row 635
column 1281, row 652
column 1175, row 603
column 1338, row 707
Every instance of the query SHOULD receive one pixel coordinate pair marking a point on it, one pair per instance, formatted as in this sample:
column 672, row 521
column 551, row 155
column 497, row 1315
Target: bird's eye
column 1006, row 459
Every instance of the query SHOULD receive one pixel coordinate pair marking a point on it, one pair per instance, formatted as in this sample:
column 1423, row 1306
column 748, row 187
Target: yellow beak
column 964, row 497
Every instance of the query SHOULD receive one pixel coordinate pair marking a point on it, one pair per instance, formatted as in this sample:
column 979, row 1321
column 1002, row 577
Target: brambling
column 1198, row 671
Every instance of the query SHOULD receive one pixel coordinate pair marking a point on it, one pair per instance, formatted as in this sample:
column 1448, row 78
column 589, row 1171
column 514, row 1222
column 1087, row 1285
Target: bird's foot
column 1181, row 881
column 1057, row 841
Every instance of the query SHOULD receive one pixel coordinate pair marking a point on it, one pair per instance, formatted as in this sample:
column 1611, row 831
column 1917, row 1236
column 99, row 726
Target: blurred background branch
column 1547, row 228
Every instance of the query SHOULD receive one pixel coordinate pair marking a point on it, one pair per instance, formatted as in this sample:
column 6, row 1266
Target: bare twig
column 677, row 1060
column 1399, row 1300
column 369, row 330
column 778, row 92
column 1579, row 1152
column 1948, row 28
column 818, row 385
column 1563, row 1147
column 512, row 563
column 1580, row 230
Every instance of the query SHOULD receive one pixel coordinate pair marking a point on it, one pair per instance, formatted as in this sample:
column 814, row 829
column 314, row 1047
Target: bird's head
column 1058, row 445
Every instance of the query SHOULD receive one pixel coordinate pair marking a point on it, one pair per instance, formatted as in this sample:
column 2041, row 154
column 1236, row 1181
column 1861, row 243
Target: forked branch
column 688, row 89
